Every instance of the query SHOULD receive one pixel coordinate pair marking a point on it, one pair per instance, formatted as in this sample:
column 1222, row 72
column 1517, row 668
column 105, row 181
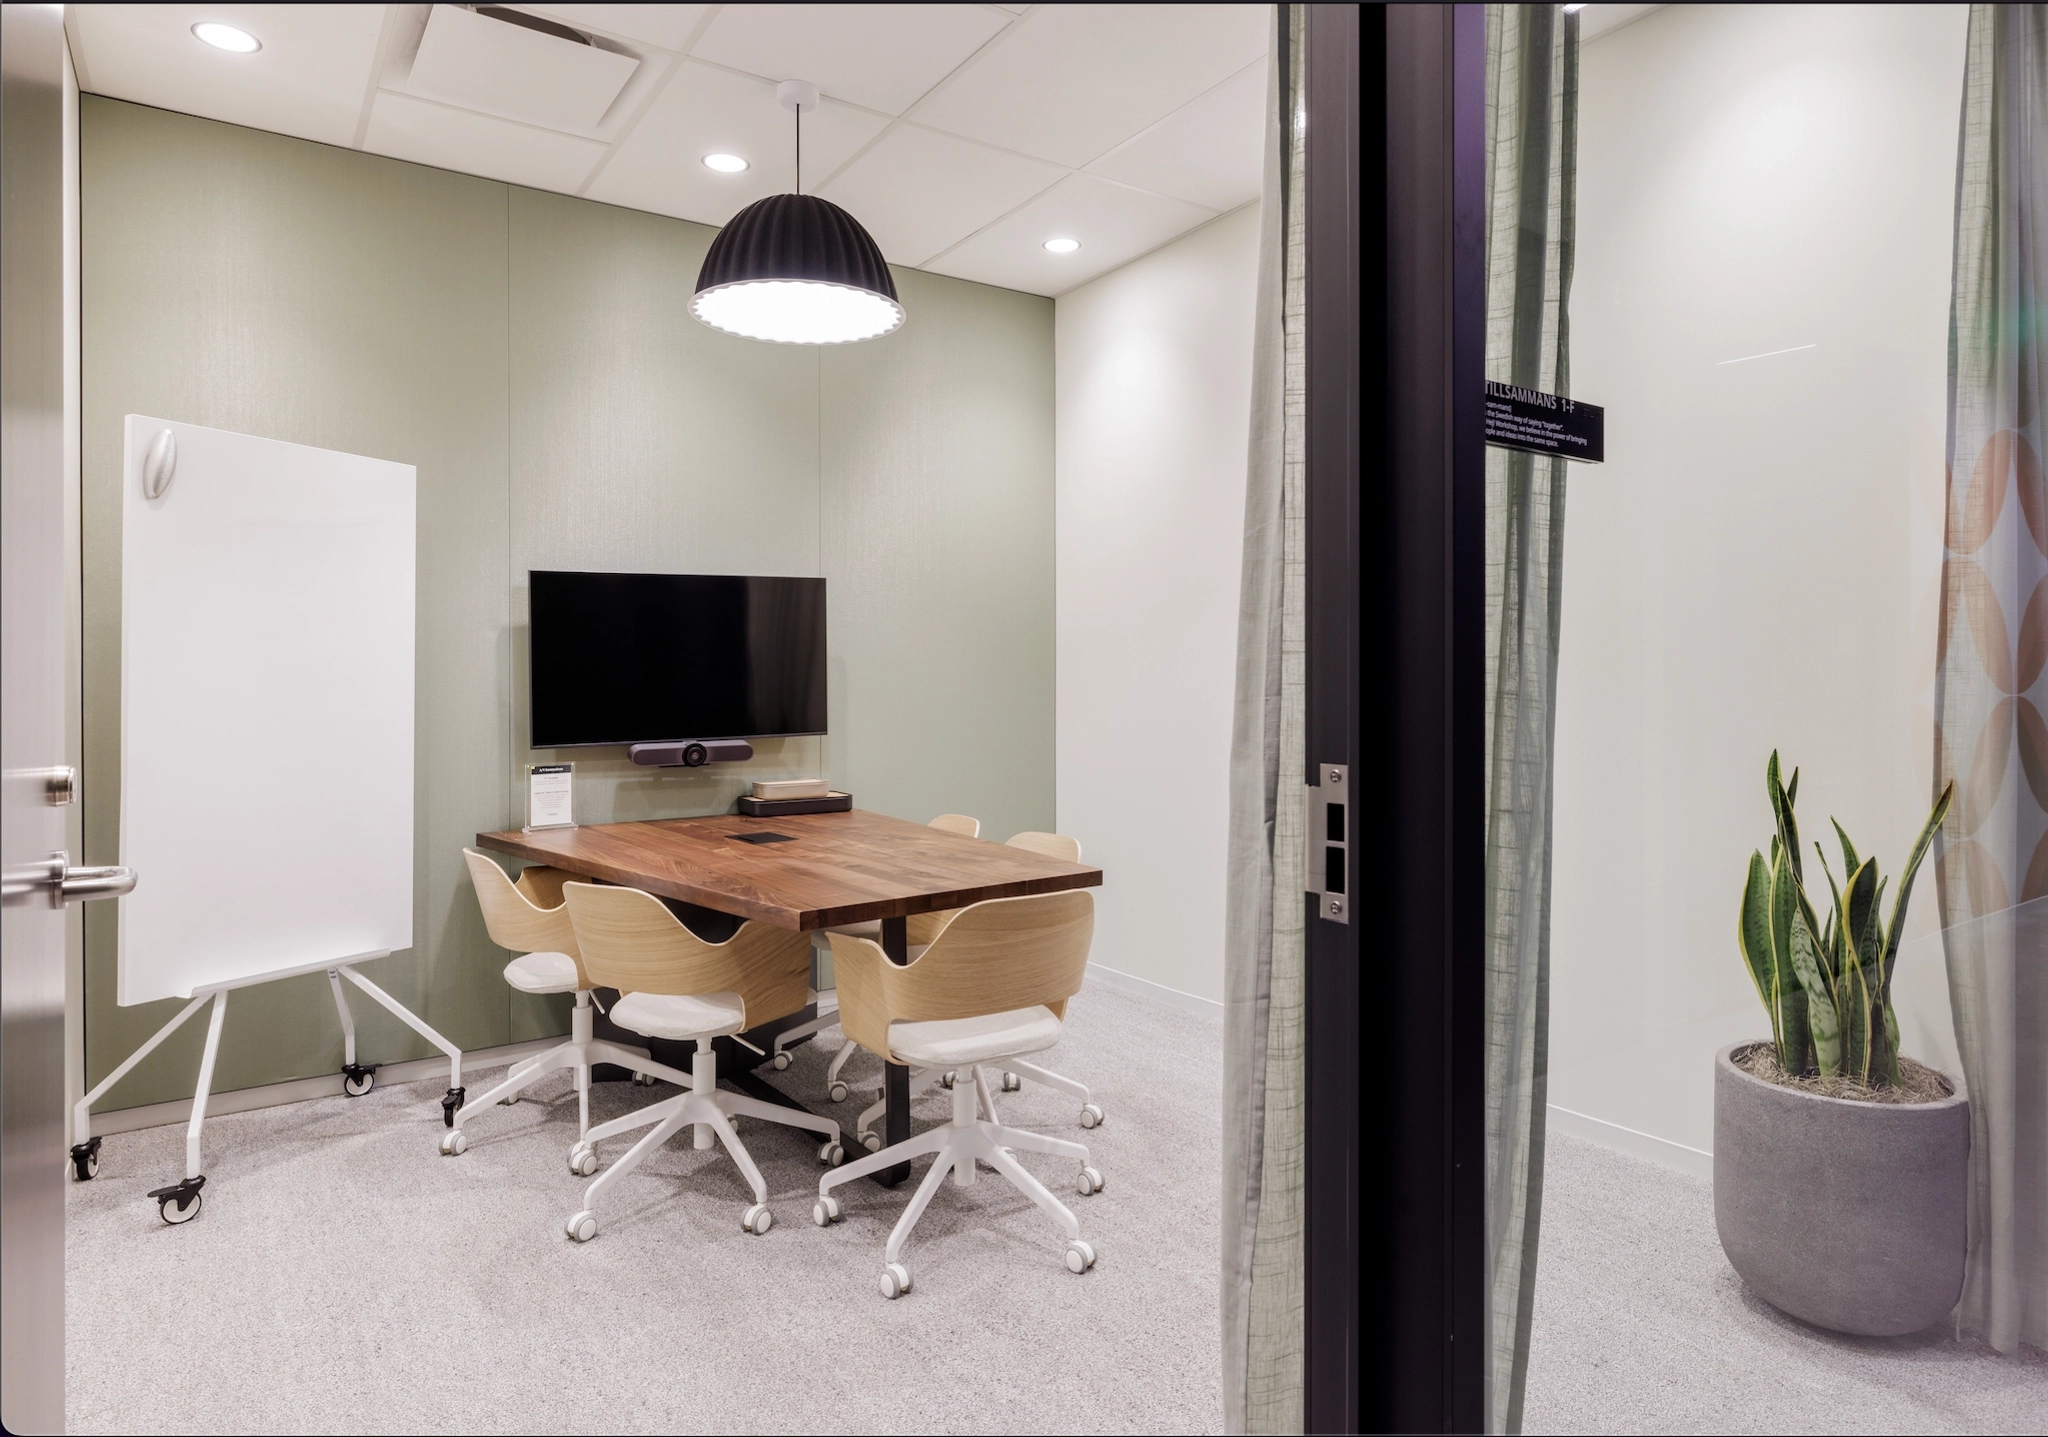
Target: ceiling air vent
column 504, row 62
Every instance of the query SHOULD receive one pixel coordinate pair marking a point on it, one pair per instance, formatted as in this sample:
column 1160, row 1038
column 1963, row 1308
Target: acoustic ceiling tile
column 499, row 68
column 666, row 27
column 881, row 56
column 1114, row 223
column 918, row 191
column 307, row 80
column 1068, row 83
column 705, row 110
column 406, row 128
column 1210, row 151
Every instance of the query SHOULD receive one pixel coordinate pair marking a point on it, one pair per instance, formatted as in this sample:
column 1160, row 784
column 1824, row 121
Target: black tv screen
column 646, row 658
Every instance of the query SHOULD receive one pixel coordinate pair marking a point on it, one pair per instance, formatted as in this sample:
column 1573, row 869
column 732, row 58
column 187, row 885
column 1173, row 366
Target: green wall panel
column 533, row 355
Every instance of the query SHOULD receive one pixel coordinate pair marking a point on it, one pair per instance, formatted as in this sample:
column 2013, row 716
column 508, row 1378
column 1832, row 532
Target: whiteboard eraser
column 790, row 788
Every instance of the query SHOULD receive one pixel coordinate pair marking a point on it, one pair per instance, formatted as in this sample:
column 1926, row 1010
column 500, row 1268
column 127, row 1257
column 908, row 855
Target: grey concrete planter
column 1846, row 1215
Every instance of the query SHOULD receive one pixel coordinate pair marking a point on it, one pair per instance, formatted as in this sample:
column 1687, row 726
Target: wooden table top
column 836, row 868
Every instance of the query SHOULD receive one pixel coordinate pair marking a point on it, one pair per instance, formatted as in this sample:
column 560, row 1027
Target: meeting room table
column 804, row 872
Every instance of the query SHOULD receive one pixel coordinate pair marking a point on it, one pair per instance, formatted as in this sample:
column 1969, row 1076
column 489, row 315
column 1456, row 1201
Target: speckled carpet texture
column 344, row 1277
column 1641, row 1326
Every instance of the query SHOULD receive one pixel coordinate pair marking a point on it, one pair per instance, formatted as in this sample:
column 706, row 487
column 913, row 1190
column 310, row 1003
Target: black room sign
column 1518, row 418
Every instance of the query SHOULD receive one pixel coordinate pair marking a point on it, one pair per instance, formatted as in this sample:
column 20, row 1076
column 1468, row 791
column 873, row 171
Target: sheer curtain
column 1532, row 57
column 1263, row 943
column 1990, row 735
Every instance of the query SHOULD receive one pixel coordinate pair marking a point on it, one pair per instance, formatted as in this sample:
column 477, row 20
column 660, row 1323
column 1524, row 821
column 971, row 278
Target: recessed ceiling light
column 227, row 37
column 1573, row 9
column 1062, row 246
column 725, row 164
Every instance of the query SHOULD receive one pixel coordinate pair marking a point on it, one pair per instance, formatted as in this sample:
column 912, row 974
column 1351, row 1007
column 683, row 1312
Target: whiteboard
column 266, row 709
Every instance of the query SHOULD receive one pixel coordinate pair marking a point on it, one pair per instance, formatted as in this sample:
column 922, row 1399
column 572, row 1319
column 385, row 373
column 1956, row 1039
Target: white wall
column 1755, row 565
column 1154, row 404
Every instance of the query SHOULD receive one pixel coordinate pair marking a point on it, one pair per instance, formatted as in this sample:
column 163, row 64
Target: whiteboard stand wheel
column 85, row 1160
column 645, row 1080
column 451, row 1103
column 358, row 1078
column 1088, row 1181
column 781, row 1061
column 838, row 1092
column 758, row 1219
column 831, row 1154
column 179, row 1203
column 1012, row 1083
column 454, row 1144
column 1080, row 1256
column 583, row 1160
column 895, row 1280
column 825, row 1211
column 581, row 1226
column 1091, row 1115
column 871, row 1141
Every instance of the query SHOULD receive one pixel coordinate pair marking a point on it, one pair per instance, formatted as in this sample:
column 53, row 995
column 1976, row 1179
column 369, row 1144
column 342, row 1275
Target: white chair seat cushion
column 542, row 973
column 681, row 1016
column 949, row 1042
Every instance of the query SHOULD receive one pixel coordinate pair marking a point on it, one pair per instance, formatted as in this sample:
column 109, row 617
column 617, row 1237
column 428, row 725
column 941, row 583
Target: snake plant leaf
column 1753, row 932
column 1781, row 810
column 1905, row 893
column 1849, row 861
column 1855, row 1020
column 1792, row 790
column 1822, row 1021
column 1891, row 1037
column 1861, row 916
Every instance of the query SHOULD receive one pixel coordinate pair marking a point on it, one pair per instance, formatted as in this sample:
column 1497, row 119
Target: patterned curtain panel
column 1532, row 99
column 1990, row 694
column 1263, row 942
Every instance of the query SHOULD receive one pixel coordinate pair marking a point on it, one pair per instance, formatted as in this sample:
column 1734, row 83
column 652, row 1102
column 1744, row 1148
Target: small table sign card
column 548, row 789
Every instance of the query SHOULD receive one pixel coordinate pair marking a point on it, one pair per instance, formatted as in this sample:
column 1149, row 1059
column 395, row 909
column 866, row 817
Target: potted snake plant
column 1840, row 1164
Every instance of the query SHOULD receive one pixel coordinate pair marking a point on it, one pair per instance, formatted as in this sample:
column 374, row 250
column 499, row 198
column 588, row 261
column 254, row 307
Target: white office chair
column 990, row 988
column 675, row 985
column 529, row 918
column 924, row 928
column 958, row 823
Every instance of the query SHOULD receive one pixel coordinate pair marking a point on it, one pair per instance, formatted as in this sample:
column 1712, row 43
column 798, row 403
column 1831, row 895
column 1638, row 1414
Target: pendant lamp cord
column 799, row 149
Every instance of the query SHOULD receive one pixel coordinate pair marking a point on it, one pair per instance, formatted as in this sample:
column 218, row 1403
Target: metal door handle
column 67, row 884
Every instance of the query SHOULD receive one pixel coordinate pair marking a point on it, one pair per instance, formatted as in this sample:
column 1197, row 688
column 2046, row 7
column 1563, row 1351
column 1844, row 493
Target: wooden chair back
column 994, row 957
column 1048, row 845
column 958, row 823
column 527, row 916
column 630, row 941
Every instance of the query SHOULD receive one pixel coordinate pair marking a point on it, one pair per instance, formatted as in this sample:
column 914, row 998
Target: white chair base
column 578, row 1054
column 958, row 1147
column 829, row 1017
column 710, row 1112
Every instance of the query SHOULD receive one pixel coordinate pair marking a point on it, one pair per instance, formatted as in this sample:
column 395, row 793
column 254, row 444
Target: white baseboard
column 299, row 1090
column 1661, row 1151
column 1146, row 988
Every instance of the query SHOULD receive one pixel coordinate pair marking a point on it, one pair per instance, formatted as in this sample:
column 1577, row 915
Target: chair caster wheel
column 781, row 1062
column 825, row 1211
column 831, row 1154
column 581, row 1226
column 85, row 1160
column 583, row 1160
column 645, row 1080
column 1080, row 1256
column 838, row 1092
column 871, row 1141
column 895, row 1280
column 1012, row 1083
column 171, row 1212
column 454, row 1144
column 358, row 1080
column 948, row 1080
column 1091, row 1115
column 1088, row 1182
column 758, row 1219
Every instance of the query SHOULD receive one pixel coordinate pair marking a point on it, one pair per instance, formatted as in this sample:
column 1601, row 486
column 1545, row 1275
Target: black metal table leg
column 895, row 1076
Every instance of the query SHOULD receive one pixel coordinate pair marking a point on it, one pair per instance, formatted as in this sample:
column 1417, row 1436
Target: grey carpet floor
column 1641, row 1326
column 343, row 1277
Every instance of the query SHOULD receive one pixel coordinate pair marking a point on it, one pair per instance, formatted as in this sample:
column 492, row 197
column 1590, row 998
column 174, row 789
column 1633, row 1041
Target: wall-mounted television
column 649, row 658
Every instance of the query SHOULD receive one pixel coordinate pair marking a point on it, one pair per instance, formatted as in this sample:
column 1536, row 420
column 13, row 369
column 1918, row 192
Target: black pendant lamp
column 795, row 269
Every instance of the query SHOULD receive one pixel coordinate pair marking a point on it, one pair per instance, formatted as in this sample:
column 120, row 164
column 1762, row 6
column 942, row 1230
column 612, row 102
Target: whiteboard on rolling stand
column 266, row 708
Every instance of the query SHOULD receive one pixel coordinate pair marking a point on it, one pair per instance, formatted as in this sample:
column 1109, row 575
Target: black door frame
column 1394, row 1202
